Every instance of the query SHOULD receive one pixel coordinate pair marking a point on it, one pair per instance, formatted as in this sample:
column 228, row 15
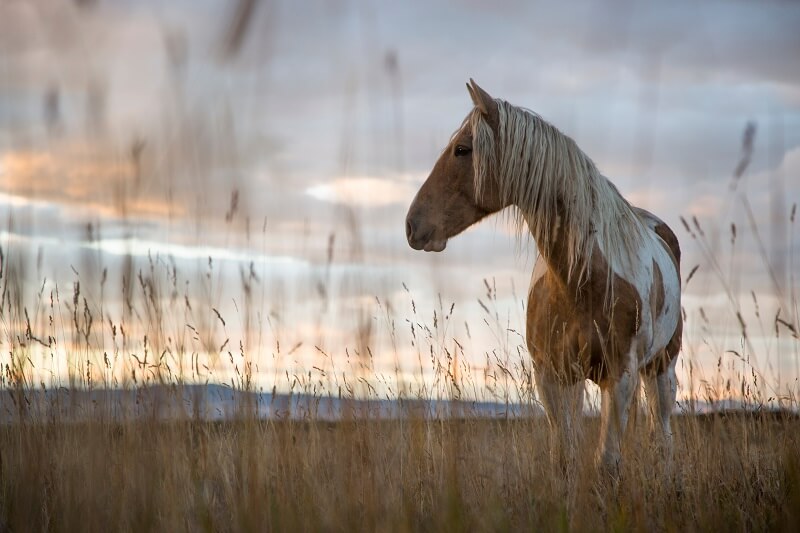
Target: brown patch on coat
column 656, row 291
column 672, row 246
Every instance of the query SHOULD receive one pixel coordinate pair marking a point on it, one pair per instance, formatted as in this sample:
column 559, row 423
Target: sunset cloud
column 364, row 192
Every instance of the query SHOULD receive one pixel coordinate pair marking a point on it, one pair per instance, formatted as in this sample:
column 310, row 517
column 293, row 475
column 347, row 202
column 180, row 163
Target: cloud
column 83, row 178
column 363, row 192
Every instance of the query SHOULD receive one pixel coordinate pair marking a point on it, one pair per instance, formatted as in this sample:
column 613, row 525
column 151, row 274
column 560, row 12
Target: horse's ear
column 471, row 94
column 481, row 98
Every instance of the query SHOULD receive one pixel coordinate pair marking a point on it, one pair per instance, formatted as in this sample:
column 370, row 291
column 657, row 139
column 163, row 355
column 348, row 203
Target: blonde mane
column 556, row 188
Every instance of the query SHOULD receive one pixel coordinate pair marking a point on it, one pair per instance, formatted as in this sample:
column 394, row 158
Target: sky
column 285, row 141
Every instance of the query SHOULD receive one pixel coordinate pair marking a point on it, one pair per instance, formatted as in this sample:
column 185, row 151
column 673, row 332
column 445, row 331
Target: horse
column 604, row 301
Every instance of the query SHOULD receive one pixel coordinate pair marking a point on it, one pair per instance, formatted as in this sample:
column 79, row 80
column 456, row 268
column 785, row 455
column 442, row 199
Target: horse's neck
column 554, row 251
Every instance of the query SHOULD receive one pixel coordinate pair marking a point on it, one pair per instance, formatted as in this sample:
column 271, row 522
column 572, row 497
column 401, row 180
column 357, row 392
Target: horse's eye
column 462, row 150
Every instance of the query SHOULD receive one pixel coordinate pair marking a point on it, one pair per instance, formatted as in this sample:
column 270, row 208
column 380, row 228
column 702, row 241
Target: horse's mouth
column 435, row 245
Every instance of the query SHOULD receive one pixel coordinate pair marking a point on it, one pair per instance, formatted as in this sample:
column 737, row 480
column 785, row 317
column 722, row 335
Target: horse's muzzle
column 421, row 236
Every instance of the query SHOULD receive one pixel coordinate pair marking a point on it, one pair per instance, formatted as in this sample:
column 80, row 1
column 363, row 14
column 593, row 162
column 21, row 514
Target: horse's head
column 448, row 203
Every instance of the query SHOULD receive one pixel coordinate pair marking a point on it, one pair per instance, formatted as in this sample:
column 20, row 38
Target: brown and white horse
column 604, row 300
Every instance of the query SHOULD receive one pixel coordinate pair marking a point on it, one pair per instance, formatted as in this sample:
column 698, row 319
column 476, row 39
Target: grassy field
column 735, row 473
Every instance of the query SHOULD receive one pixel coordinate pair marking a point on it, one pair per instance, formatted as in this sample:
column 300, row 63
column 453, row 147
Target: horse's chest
column 557, row 334
column 578, row 338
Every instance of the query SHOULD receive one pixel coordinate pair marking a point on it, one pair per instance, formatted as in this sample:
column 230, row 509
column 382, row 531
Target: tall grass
column 476, row 474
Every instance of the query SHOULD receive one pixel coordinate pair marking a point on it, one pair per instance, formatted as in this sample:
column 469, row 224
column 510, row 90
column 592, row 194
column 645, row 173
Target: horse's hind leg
column 661, row 390
column 563, row 404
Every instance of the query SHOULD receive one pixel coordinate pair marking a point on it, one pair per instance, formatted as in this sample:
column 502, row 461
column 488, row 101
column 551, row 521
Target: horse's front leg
column 563, row 404
column 616, row 398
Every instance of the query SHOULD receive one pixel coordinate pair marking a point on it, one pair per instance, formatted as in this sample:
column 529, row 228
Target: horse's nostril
column 409, row 228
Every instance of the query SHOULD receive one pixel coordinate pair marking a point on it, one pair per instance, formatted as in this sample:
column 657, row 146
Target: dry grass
column 740, row 473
